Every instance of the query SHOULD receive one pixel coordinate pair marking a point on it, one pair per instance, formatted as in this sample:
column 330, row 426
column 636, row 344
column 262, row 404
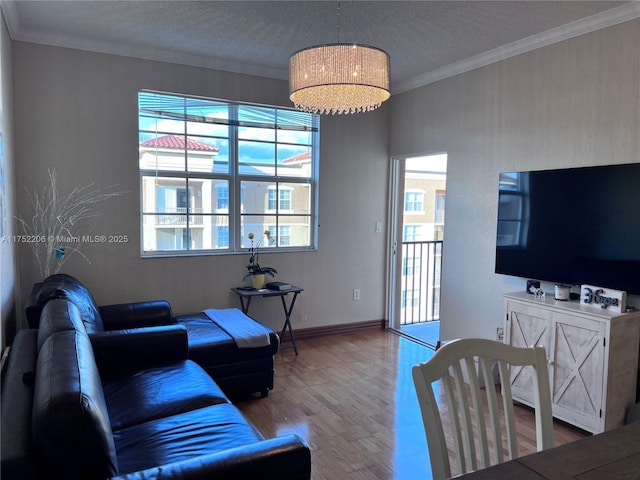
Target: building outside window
column 438, row 221
column 223, row 235
column 412, row 233
column 411, row 265
column 222, row 194
column 280, row 199
column 280, row 235
column 284, row 235
column 410, row 298
column 414, row 201
column 211, row 172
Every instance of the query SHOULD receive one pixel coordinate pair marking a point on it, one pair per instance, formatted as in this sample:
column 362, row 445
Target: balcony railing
column 421, row 266
column 178, row 216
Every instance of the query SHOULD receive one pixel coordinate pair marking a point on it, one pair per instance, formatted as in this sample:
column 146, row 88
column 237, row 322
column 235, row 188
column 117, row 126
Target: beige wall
column 8, row 273
column 76, row 111
column 574, row 103
column 569, row 104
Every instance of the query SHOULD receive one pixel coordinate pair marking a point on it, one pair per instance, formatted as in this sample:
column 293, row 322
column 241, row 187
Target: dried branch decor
column 58, row 226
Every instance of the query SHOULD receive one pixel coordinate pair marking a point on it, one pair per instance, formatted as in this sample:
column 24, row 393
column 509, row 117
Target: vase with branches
column 58, row 226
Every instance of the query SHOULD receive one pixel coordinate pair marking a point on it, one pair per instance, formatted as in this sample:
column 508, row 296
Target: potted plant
column 257, row 272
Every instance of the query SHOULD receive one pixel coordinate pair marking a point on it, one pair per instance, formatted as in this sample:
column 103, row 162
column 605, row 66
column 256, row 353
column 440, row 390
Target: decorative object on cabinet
column 532, row 286
column 614, row 300
column 562, row 292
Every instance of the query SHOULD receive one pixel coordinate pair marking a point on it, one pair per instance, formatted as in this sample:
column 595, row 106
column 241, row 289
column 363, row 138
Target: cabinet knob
column 550, row 362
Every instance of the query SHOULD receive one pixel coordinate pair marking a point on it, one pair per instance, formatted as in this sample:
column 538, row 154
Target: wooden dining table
column 614, row 454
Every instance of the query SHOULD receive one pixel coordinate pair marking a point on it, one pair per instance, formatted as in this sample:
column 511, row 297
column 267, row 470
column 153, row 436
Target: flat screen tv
column 571, row 226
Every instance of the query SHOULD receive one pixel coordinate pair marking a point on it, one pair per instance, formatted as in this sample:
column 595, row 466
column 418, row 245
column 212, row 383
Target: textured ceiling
column 425, row 40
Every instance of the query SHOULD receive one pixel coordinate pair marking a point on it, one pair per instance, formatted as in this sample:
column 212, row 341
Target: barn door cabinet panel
column 592, row 356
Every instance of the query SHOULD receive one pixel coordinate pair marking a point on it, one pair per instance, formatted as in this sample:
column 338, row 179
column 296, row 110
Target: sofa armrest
column 283, row 457
column 18, row 458
column 135, row 348
column 136, row 315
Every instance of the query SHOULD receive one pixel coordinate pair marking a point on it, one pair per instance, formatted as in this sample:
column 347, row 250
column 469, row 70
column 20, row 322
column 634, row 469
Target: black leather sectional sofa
column 238, row 371
column 79, row 402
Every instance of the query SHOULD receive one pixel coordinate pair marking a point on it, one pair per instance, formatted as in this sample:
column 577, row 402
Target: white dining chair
column 455, row 370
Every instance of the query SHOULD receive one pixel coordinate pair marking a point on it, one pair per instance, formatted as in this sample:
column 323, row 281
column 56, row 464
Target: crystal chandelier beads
column 339, row 78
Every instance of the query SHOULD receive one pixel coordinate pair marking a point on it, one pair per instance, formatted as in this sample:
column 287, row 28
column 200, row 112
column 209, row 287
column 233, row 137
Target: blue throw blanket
column 246, row 332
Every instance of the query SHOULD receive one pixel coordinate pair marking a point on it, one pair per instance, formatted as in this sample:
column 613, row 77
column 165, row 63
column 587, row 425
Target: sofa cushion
column 70, row 422
column 58, row 315
column 181, row 437
column 62, row 285
column 162, row 391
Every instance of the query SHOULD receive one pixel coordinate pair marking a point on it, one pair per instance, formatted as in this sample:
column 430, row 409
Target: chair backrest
column 454, row 368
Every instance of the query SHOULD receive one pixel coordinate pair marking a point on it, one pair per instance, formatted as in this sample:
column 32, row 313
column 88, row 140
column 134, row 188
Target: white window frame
column 239, row 174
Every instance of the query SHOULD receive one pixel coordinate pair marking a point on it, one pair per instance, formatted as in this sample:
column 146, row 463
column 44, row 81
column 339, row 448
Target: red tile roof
column 177, row 142
column 298, row 158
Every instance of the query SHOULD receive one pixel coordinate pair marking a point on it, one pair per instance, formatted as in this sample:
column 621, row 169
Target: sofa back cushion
column 71, row 430
column 62, row 285
column 58, row 315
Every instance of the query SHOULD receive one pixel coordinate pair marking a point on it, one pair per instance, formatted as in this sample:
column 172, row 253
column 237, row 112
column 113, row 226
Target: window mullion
column 186, row 179
column 235, row 208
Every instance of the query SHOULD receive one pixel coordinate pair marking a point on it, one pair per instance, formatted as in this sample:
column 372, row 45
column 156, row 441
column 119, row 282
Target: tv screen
column 572, row 226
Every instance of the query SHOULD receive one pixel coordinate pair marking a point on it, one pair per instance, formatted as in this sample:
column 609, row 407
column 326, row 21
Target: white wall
column 575, row 103
column 76, row 111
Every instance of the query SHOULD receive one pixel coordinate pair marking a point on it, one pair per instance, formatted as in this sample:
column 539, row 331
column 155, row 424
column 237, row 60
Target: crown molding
column 151, row 53
column 614, row 16
column 19, row 33
column 599, row 21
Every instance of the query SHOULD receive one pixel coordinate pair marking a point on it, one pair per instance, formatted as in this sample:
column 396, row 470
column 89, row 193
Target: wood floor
column 351, row 397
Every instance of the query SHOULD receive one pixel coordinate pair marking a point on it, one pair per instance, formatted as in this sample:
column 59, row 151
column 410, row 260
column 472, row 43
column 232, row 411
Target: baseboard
column 303, row 333
column 415, row 339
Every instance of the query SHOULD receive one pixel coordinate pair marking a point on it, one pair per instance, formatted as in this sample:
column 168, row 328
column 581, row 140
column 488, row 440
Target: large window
column 211, row 172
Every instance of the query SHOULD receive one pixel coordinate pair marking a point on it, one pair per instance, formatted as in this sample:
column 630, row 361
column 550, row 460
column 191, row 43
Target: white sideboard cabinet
column 592, row 356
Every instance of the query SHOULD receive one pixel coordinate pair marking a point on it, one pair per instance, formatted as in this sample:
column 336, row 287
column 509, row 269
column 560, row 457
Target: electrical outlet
column 500, row 334
column 356, row 294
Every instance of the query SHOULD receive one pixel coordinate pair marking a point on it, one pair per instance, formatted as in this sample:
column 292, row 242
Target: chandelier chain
column 338, row 15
